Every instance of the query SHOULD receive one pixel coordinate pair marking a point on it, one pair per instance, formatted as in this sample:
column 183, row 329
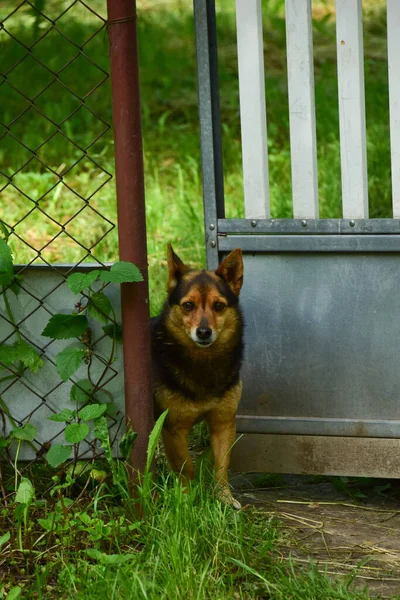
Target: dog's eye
column 219, row 306
column 188, row 306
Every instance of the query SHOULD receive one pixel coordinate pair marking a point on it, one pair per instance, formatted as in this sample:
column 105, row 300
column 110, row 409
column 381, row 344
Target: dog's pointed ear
column 231, row 270
column 176, row 268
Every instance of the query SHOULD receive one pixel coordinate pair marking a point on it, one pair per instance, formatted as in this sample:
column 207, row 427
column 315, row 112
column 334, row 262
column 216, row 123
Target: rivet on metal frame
column 304, row 223
column 254, row 223
column 212, row 226
column 352, row 223
column 213, row 244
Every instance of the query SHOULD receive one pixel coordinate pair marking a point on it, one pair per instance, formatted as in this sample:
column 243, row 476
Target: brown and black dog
column 197, row 353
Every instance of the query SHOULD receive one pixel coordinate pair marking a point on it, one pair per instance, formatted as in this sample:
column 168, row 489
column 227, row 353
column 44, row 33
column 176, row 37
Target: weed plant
column 87, row 542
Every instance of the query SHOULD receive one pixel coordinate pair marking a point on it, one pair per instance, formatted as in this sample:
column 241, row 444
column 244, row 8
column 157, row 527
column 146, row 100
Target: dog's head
column 203, row 304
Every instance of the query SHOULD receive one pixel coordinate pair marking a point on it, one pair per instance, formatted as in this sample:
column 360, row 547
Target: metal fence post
column 131, row 220
column 210, row 124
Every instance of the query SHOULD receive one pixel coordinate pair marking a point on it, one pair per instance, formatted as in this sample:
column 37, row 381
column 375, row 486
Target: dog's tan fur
column 199, row 383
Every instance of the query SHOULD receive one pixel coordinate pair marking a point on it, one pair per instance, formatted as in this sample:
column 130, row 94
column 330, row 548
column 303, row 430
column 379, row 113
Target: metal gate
column 321, row 296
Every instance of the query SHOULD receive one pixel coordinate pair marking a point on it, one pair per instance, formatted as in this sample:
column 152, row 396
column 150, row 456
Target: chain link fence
column 57, row 211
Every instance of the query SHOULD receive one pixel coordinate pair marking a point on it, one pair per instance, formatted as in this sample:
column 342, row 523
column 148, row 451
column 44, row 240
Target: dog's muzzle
column 203, row 336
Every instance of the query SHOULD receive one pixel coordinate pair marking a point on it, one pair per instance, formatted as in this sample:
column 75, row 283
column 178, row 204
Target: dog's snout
column 203, row 333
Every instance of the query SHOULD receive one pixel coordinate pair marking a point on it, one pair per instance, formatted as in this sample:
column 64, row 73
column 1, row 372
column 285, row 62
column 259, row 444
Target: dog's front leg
column 177, row 452
column 222, row 434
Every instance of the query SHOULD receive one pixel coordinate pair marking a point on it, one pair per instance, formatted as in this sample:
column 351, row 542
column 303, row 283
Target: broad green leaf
column 19, row 511
column 48, row 523
column 76, row 432
column 98, row 475
column 113, row 330
column 4, row 538
column 28, row 356
column 4, row 231
column 99, row 307
column 14, row 593
column 85, row 518
column 63, row 327
column 22, row 351
column 67, row 502
column 92, row 411
column 8, row 355
column 78, row 468
column 58, row 454
column 153, row 439
column 109, row 559
column 5, row 257
column 68, row 362
column 80, row 391
column 79, row 281
column 127, row 442
column 121, row 272
column 15, row 286
column 6, row 277
column 3, row 442
column 102, row 434
column 112, row 409
column 25, row 492
column 27, row 432
column 62, row 417
column 6, row 264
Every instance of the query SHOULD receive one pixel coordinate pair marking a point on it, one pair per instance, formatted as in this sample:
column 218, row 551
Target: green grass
column 83, row 537
column 170, row 129
column 195, row 548
column 187, row 546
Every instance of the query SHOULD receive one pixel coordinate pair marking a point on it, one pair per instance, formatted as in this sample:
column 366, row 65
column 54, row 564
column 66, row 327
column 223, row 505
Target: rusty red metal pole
column 131, row 220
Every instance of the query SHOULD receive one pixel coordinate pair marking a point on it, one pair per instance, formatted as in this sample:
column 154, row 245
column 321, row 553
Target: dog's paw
column 225, row 496
column 236, row 504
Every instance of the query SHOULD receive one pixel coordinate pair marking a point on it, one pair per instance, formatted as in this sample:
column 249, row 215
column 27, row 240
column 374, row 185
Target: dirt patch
column 345, row 527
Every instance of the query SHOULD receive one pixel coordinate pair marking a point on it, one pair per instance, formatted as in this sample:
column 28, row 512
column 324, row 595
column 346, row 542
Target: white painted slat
column 393, row 33
column 353, row 151
column 303, row 145
column 252, row 108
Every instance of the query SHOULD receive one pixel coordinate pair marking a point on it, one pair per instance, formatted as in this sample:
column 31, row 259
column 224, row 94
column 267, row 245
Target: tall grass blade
column 153, row 439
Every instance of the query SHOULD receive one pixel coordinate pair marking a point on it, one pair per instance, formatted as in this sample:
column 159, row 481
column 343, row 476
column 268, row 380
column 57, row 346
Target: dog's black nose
column 203, row 333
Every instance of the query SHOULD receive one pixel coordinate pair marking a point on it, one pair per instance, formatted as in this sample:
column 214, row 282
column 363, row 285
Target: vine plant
column 88, row 414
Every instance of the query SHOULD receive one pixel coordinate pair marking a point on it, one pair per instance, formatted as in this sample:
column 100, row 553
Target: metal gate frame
column 349, row 445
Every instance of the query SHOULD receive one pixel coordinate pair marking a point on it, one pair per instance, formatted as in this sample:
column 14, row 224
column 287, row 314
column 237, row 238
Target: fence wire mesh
column 56, row 159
